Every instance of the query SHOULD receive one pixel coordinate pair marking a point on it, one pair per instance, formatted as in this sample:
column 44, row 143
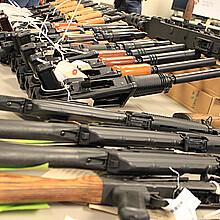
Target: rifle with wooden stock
column 131, row 191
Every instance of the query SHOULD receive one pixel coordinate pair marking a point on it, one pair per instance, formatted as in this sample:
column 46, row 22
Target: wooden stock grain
column 111, row 53
column 134, row 70
column 23, row 189
column 112, row 61
column 86, row 17
column 189, row 10
column 55, row 3
column 69, row 9
column 93, row 21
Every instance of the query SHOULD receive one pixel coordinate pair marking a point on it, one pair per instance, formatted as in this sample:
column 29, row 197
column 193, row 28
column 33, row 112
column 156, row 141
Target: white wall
column 157, row 8
column 152, row 7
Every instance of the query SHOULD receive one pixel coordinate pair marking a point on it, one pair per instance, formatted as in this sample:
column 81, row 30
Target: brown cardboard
column 195, row 99
column 211, row 86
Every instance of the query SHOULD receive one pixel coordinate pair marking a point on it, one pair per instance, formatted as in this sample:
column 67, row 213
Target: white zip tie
column 43, row 25
column 69, row 98
column 13, row 3
column 71, row 20
column 78, row 51
column 42, row 61
column 56, row 46
column 178, row 180
column 52, row 90
column 217, row 186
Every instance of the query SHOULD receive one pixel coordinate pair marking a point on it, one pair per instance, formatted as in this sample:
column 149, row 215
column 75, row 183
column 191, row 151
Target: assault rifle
column 111, row 91
column 207, row 44
column 96, row 135
column 135, row 162
column 131, row 195
column 75, row 111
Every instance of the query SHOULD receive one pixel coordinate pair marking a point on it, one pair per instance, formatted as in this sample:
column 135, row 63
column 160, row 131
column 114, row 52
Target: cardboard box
column 195, row 99
column 211, row 86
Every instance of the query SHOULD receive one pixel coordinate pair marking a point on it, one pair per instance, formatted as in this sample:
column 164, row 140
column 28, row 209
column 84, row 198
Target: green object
column 15, row 207
column 44, row 166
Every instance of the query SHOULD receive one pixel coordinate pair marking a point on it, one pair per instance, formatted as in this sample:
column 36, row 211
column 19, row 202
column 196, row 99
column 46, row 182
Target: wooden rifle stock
column 112, row 61
column 86, row 17
column 55, row 3
column 110, row 53
column 71, row 9
column 68, row 4
column 134, row 70
column 24, row 189
column 189, row 10
column 93, row 21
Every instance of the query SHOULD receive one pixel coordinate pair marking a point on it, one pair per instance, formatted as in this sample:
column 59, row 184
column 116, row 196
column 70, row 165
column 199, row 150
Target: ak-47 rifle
column 75, row 111
column 131, row 194
column 96, row 135
column 111, row 91
column 207, row 44
column 136, row 162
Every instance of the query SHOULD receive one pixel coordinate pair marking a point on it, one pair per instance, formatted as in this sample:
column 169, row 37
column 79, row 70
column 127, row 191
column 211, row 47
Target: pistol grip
column 131, row 203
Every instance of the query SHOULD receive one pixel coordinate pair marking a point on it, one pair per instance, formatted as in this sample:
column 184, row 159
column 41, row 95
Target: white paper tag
column 65, row 70
column 184, row 206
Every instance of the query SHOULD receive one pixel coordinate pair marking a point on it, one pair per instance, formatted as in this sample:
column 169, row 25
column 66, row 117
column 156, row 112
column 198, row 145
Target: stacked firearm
column 136, row 151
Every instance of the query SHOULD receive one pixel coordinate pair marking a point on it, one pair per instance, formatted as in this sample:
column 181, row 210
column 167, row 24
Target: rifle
column 131, row 195
column 111, row 91
column 96, row 135
column 135, row 162
column 207, row 44
column 122, row 64
column 76, row 111
column 136, row 52
column 122, row 45
column 211, row 120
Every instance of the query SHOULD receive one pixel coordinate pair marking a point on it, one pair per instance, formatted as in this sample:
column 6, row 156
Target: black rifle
column 111, row 91
column 137, row 162
column 207, row 44
column 122, row 45
column 95, row 135
column 76, row 111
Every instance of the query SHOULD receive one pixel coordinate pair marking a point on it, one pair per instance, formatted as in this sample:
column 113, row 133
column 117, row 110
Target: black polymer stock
column 112, row 91
column 96, row 135
column 76, row 111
